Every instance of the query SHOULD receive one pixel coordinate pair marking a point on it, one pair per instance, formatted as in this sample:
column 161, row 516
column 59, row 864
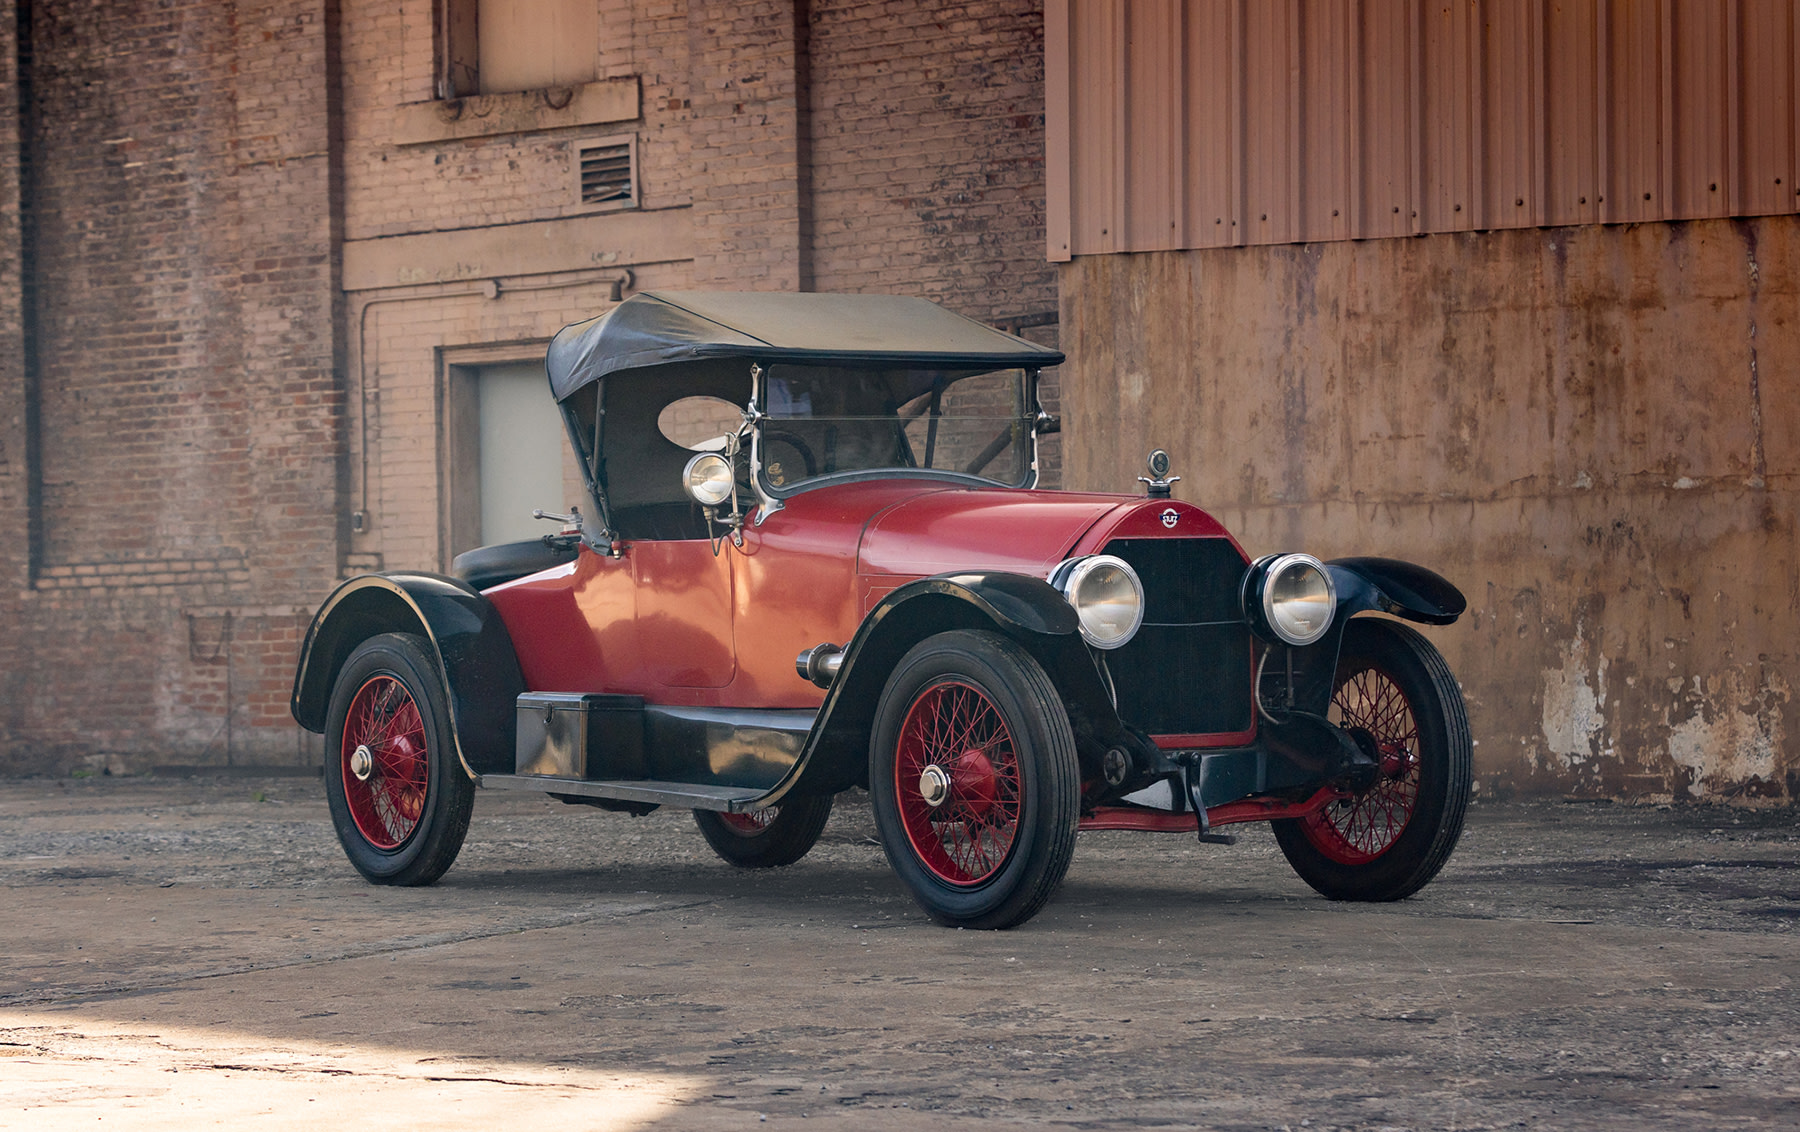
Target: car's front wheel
column 767, row 838
column 399, row 797
column 1396, row 694
column 974, row 780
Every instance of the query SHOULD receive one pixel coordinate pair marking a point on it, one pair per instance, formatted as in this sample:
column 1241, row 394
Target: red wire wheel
column 750, row 824
column 1360, row 828
column 399, row 797
column 767, row 838
column 973, row 779
column 1399, row 701
column 386, row 762
column 956, row 775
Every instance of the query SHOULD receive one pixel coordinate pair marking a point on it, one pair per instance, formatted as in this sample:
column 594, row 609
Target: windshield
column 830, row 421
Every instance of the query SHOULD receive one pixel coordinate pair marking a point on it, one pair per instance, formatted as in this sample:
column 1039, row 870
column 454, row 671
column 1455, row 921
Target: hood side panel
column 1024, row 532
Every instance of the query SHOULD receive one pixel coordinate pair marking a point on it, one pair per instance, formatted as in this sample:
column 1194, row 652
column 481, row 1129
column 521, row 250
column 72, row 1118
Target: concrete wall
column 1594, row 431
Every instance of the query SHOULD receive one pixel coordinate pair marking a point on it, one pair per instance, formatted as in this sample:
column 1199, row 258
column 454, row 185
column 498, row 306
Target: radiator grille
column 1188, row 670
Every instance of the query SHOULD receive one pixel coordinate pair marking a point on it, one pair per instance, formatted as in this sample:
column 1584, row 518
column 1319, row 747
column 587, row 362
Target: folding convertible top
column 658, row 327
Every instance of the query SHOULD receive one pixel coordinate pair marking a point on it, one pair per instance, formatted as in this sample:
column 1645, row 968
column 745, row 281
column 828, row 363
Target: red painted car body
column 856, row 583
column 676, row 623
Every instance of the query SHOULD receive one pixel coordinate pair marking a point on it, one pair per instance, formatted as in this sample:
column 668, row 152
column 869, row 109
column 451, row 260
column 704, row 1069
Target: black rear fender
column 463, row 631
column 1029, row 610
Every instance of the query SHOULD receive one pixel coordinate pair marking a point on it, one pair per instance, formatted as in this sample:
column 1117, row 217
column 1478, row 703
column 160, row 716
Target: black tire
column 766, row 839
column 402, row 820
column 1388, row 841
column 976, row 710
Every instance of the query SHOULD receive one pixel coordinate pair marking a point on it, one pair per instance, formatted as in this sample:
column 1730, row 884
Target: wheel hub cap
column 934, row 785
column 362, row 762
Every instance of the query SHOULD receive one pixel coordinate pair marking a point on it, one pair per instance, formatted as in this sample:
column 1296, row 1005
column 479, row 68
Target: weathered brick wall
column 14, row 472
column 220, row 396
column 928, row 153
column 917, row 129
column 187, row 375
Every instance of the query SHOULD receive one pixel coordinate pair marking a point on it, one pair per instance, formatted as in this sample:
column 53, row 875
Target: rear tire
column 399, row 797
column 768, row 838
column 974, row 779
column 1388, row 841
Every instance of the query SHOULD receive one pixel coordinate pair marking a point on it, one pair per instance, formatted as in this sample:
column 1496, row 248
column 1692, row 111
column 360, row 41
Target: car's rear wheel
column 399, row 797
column 974, row 780
column 767, row 838
column 1394, row 691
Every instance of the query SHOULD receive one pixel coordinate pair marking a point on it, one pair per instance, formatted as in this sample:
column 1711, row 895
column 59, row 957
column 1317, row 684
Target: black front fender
column 1392, row 586
column 474, row 653
column 1301, row 678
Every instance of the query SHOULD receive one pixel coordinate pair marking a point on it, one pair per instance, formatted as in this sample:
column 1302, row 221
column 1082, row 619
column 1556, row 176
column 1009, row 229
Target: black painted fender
column 474, row 653
column 1392, row 586
column 1364, row 585
column 1027, row 609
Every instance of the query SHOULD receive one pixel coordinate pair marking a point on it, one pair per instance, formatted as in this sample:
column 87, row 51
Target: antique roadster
column 814, row 559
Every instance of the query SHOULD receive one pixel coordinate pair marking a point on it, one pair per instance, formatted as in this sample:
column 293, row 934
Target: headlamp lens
column 1299, row 599
column 707, row 479
column 1107, row 597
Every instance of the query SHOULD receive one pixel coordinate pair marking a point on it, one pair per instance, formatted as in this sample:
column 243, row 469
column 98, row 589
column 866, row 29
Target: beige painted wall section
column 1594, row 431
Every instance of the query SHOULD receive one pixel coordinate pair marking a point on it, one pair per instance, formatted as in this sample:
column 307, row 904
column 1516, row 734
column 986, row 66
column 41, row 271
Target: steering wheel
column 772, row 468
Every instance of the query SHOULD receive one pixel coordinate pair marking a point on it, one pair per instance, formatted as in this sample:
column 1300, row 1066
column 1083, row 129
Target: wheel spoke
column 955, row 727
column 1358, row 829
column 388, row 803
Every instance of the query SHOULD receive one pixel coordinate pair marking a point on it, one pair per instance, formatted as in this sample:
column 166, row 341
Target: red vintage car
column 851, row 580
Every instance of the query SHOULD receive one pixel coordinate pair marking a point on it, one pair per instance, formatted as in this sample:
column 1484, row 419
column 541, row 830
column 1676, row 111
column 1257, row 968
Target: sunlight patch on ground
column 57, row 1072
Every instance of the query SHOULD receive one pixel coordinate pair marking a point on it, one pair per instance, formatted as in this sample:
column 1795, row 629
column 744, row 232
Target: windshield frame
column 773, row 496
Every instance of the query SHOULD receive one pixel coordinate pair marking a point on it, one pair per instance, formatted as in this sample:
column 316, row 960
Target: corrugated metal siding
column 1210, row 123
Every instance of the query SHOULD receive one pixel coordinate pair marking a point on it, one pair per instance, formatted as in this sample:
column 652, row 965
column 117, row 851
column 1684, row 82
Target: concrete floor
column 195, row 954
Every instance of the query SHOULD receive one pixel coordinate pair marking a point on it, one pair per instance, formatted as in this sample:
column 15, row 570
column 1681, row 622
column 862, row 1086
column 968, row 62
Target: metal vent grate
column 605, row 173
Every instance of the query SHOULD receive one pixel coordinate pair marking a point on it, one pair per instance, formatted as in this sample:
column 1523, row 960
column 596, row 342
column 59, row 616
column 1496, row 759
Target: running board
column 728, row 799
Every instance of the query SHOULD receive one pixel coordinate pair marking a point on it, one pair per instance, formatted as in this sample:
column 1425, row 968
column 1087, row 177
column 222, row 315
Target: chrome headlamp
column 1107, row 596
column 1290, row 598
column 707, row 479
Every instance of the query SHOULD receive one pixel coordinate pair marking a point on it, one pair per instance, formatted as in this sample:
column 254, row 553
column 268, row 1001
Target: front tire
column 974, row 780
column 767, row 838
column 399, row 797
column 1388, row 841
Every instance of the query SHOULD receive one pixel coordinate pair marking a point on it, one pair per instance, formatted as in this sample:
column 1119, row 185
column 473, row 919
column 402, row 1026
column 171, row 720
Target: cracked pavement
column 197, row 953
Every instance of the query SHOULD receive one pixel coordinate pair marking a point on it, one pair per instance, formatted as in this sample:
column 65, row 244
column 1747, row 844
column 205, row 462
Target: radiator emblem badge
column 1170, row 518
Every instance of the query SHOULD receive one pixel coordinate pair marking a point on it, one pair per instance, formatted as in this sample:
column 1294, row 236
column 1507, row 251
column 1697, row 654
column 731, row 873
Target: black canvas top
column 657, row 327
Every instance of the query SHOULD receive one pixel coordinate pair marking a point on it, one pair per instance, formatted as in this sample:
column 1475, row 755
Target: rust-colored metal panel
column 1763, row 175
column 1327, row 123
column 1635, row 131
column 1572, row 143
column 1097, row 94
column 1271, row 122
column 1058, row 155
column 1387, row 145
column 1511, row 189
column 1209, row 123
column 1212, row 120
column 1155, row 131
column 1446, row 138
column 1701, row 79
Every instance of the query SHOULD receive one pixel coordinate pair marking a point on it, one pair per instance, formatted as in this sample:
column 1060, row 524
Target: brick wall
column 182, row 231
column 15, row 512
column 221, row 392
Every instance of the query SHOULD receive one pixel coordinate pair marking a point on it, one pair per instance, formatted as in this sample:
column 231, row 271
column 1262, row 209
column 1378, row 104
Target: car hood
column 1024, row 532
